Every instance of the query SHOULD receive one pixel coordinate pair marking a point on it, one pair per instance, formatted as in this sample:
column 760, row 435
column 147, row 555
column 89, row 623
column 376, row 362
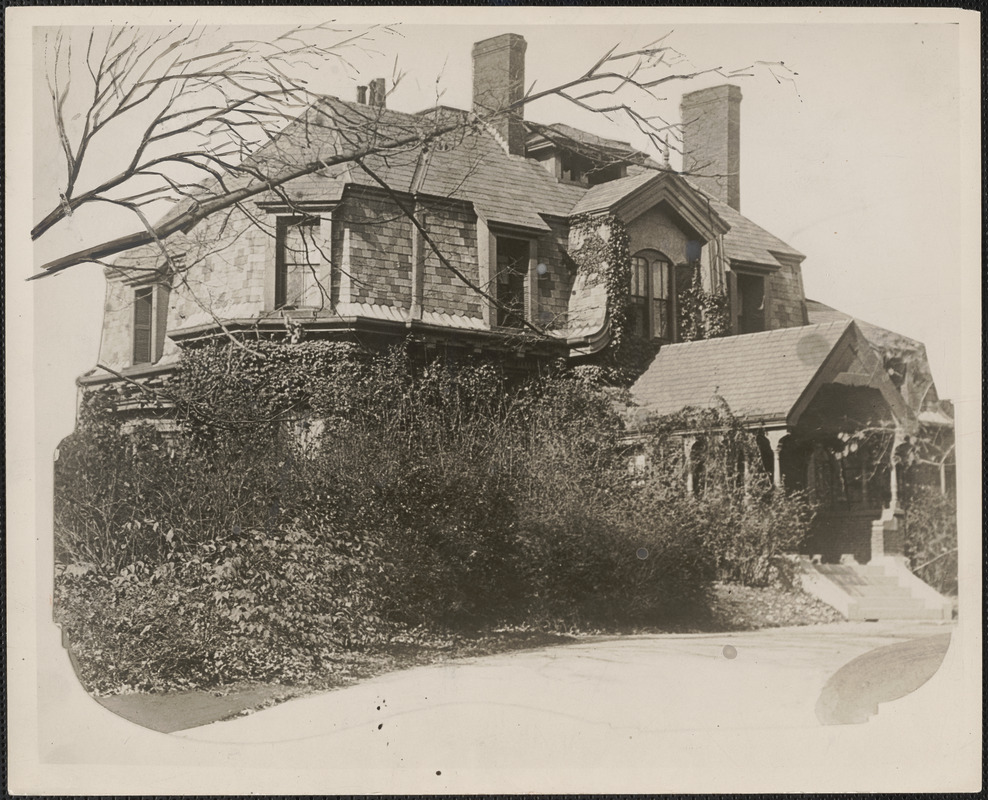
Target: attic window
column 297, row 259
column 575, row 168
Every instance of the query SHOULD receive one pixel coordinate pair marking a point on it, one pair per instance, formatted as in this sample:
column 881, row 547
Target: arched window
column 650, row 296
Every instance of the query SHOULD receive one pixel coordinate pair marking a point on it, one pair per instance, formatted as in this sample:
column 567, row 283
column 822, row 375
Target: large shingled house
column 499, row 237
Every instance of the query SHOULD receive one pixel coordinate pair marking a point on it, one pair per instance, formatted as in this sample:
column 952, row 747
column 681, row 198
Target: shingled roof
column 759, row 375
column 469, row 164
column 749, row 242
column 918, row 388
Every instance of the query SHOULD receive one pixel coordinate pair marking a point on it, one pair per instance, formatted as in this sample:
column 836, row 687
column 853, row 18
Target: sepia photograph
column 454, row 400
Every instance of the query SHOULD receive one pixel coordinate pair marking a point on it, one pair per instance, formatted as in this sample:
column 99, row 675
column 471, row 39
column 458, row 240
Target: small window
column 650, row 297
column 512, row 280
column 143, row 325
column 298, row 257
column 749, row 304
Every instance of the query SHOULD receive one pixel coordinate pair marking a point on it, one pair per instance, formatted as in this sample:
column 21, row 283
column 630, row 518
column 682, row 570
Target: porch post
column 688, row 442
column 897, row 440
column 775, row 439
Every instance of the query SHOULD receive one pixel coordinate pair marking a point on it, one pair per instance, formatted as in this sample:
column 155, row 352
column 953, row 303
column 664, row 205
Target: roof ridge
column 793, row 329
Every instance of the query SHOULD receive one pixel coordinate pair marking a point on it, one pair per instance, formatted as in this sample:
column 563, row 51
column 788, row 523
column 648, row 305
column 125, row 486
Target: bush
column 931, row 537
column 259, row 606
column 440, row 496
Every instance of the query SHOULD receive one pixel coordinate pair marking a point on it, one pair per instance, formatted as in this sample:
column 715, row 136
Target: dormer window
column 513, row 263
column 297, row 259
column 649, row 306
column 749, row 300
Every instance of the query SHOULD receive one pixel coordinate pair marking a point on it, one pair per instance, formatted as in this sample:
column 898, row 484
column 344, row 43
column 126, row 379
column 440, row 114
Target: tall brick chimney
column 712, row 141
column 378, row 94
column 499, row 81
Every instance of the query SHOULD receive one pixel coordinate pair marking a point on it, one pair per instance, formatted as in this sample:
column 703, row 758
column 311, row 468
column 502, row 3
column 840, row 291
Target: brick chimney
column 499, row 81
column 378, row 96
column 712, row 141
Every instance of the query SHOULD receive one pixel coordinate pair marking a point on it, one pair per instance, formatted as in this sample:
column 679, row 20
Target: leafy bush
column 931, row 537
column 257, row 606
column 439, row 496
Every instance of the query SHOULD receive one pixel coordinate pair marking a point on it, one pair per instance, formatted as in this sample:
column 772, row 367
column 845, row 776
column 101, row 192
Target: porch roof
column 767, row 377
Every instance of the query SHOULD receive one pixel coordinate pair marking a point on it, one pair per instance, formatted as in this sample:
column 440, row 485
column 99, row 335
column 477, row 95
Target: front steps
column 875, row 591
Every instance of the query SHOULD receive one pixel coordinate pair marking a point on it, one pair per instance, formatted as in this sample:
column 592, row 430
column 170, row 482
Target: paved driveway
column 580, row 702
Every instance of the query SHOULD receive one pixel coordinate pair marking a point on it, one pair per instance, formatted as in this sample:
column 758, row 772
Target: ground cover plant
column 317, row 502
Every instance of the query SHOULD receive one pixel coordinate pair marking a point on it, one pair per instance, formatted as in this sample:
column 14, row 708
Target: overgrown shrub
column 429, row 496
column 931, row 537
column 259, row 605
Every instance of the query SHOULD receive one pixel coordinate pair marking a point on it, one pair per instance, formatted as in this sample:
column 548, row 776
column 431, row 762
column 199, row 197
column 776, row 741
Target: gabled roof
column 759, row 375
column 918, row 389
column 630, row 196
column 604, row 195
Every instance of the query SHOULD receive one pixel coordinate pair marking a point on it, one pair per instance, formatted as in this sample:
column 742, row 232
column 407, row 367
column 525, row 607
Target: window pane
column 661, row 321
column 512, row 274
column 637, row 317
column 639, row 277
column 660, row 279
column 298, row 254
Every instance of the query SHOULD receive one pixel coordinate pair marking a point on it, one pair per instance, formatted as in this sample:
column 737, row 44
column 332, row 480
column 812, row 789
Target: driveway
column 585, row 699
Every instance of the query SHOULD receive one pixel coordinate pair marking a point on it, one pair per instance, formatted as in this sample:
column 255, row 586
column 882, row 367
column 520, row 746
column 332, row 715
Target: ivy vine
column 701, row 314
column 604, row 257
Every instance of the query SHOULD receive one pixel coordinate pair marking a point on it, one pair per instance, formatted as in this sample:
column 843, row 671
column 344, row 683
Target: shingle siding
column 453, row 227
column 787, row 305
column 380, row 250
column 555, row 286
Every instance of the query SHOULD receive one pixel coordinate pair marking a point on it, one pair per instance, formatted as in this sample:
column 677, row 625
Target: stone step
column 876, row 590
column 890, row 602
column 873, row 592
column 857, row 579
column 898, row 613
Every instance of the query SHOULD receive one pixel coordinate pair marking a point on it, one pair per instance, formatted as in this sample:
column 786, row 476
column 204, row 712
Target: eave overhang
column 670, row 189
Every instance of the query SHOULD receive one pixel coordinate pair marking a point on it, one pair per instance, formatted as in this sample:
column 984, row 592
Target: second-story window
column 297, row 259
column 649, row 307
column 749, row 302
column 149, row 322
column 512, row 279
column 143, row 325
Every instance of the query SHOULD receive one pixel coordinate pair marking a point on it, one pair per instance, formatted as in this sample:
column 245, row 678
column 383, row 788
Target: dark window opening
column 650, row 297
column 298, row 255
column 698, row 469
column 750, row 303
column 576, row 168
column 512, row 279
column 143, row 333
